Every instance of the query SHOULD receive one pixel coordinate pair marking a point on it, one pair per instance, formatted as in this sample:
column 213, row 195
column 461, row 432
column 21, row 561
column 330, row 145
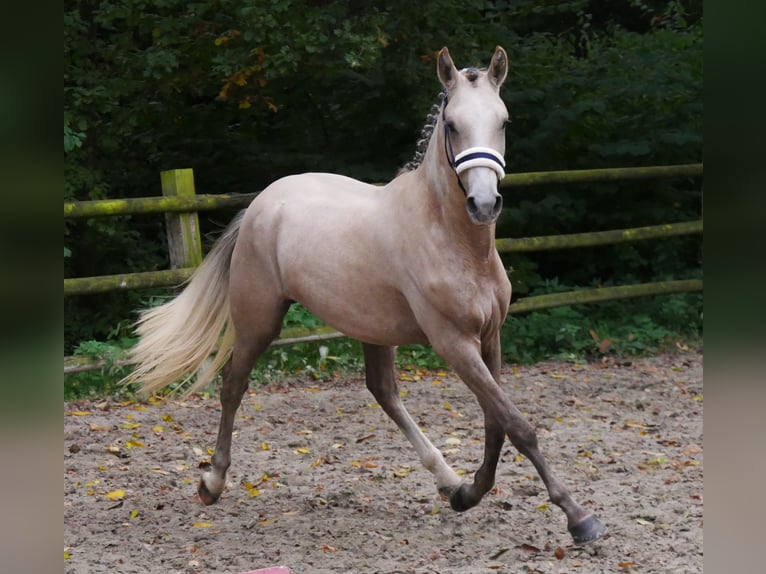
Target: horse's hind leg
column 252, row 339
column 381, row 382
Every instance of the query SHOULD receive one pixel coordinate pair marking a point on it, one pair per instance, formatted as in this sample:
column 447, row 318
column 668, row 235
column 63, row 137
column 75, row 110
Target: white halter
column 480, row 157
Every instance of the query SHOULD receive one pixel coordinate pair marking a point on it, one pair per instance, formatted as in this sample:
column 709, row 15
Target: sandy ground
column 323, row 482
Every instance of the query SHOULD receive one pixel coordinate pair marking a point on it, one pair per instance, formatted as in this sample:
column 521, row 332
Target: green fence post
column 184, row 242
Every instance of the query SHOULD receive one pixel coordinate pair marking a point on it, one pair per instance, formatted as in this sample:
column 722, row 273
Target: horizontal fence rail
column 602, row 175
column 596, row 238
column 142, row 205
column 194, row 203
column 126, row 281
column 174, row 277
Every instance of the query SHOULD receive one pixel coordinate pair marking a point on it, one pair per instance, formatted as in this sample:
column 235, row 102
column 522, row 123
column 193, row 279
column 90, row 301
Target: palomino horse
column 413, row 261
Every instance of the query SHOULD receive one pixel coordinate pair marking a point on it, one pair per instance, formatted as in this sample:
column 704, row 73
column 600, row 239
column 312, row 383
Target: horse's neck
column 440, row 201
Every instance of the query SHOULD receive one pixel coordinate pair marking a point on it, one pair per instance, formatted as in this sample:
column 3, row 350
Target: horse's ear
column 498, row 69
column 446, row 69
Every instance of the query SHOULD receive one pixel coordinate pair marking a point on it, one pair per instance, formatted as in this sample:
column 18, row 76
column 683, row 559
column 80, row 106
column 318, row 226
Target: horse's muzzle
column 484, row 210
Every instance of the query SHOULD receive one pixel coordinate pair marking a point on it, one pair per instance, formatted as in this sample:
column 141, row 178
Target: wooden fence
column 180, row 205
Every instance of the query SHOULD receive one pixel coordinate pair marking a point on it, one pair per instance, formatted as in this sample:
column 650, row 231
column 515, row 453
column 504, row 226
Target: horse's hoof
column 457, row 502
column 203, row 491
column 588, row 531
column 205, row 495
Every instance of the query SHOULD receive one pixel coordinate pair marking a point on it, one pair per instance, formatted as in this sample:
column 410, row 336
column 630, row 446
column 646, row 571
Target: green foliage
column 103, row 381
column 318, row 360
column 410, row 357
column 587, row 332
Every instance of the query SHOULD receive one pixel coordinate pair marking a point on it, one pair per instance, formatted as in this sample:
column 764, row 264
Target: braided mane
column 425, row 137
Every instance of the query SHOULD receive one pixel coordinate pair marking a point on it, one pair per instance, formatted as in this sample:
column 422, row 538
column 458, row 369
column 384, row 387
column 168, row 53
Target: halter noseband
column 472, row 157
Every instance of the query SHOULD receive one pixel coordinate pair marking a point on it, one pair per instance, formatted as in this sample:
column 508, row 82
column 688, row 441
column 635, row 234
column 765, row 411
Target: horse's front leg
column 465, row 357
column 582, row 525
column 470, row 494
column 381, row 381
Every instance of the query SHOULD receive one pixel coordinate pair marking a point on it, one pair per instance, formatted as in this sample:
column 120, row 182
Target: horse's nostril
column 484, row 209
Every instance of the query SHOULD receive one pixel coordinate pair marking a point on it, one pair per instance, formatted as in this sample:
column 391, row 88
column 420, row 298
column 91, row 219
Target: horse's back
column 316, row 211
column 317, row 186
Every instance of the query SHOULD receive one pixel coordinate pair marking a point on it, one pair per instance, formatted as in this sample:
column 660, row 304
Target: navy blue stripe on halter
column 477, row 155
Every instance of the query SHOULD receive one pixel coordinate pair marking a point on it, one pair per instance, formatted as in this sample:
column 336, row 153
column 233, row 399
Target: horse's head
column 473, row 121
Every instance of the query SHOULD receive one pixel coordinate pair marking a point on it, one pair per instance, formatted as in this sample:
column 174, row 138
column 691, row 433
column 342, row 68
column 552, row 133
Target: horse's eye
column 451, row 127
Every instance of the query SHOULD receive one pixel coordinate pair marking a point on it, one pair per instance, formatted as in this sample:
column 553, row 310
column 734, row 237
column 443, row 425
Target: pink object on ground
column 270, row 570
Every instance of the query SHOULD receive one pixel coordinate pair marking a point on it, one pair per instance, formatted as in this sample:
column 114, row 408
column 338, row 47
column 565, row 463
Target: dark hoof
column 457, row 502
column 589, row 530
column 205, row 495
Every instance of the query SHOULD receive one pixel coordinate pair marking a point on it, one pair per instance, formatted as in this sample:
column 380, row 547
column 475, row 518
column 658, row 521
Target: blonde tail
column 178, row 336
